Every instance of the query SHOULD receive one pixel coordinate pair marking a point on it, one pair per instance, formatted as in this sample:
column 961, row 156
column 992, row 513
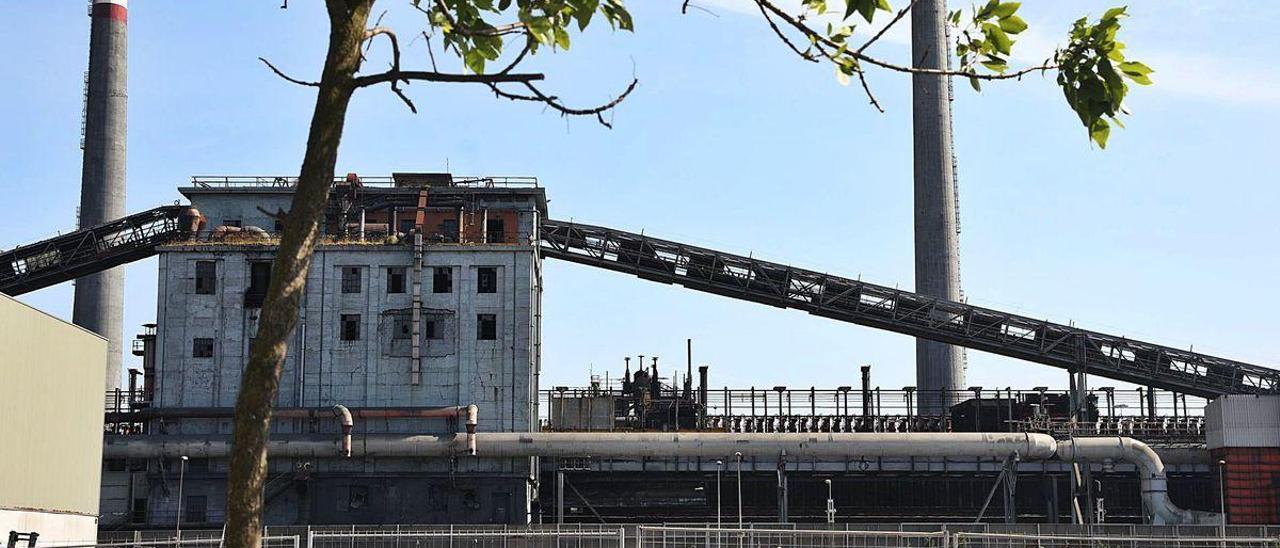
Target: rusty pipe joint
column 344, row 417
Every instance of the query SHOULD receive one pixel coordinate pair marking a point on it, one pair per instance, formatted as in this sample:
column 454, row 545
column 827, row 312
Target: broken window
column 201, row 347
column 401, row 328
column 442, row 279
column 486, row 327
column 350, row 279
column 449, row 230
column 487, row 280
column 395, row 279
column 495, row 231
column 357, row 497
column 350, row 327
column 259, row 279
column 206, row 277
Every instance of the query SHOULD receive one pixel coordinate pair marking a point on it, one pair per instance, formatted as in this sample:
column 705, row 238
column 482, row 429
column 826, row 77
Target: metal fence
column 203, row 541
column 996, row 540
column 471, row 537
column 759, row 537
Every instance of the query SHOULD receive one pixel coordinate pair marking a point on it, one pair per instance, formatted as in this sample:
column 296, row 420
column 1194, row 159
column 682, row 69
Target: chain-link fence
column 692, row 537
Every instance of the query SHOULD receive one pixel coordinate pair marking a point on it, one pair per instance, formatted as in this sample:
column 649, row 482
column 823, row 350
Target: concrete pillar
column 938, row 366
column 99, row 298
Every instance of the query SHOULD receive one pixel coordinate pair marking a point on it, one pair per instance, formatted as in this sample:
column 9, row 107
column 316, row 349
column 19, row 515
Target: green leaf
column 999, row 40
column 1006, row 9
column 1099, row 132
column 842, row 76
column 562, row 37
column 977, row 86
column 1114, row 13
column 996, row 66
column 1013, row 24
column 474, row 61
column 1137, row 72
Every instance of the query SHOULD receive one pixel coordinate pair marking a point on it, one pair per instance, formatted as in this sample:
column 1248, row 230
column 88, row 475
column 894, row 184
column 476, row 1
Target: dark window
column 442, row 279
column 278, row 226
column 206, row 277
column 395, row 279
column 449, row 230
column 138, row 513
column 486, row 327
column 350, row 279
column 487, row 280
column 357, row 497
column 406, row 225
column 494, row 231
column 115, row 465
column 350, row 327
column 432, row 330
column 259, row 279
column 195, row 509
column 198, row 465
column 202, row 348
column 401, row 328
column 231, row 222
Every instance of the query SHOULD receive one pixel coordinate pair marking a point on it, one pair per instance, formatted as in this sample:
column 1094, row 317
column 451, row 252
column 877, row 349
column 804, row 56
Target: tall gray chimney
column 938, row 366
column 99, row 298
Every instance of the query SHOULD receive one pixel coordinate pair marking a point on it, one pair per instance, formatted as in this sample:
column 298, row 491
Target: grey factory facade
column 475, row 281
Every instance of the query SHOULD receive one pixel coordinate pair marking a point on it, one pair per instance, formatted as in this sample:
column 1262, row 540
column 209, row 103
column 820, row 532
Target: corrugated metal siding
column 52, row 373
column 1243, row 421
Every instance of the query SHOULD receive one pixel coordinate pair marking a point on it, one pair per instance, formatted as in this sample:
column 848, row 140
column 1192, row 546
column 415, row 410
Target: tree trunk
column 261, row 379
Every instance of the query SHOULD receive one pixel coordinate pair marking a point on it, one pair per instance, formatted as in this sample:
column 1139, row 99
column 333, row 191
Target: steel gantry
column 904, row 312
column 69, row 256
column 137, row 236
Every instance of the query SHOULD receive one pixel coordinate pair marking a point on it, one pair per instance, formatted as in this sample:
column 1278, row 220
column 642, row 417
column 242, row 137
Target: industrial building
column 398, row 324
column 52, row 442
column 411, row 391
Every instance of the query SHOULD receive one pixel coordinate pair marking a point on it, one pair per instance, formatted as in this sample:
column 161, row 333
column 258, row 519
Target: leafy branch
column 465, row 29
column 1091, row 68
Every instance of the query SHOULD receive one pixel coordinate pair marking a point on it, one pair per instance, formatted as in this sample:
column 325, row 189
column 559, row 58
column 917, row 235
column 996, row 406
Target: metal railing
column 273, row 181
column 693, row 537
column 202, row 540
column 474, row 536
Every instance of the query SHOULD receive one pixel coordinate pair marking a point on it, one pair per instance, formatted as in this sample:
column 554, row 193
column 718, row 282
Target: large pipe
column 843, row 446
column 1155, row 492
column 615, row 445
column 99, row 297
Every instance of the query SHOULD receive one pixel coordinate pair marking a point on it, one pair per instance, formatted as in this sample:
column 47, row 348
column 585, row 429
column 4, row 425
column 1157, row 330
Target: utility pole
column 939, row 367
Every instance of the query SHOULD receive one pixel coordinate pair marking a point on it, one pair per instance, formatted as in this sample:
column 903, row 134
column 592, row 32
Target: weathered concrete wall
column 53, row 374
column 373, row 370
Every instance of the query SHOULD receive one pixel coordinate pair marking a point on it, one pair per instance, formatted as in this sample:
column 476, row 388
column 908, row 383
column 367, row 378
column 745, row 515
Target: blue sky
column 731, row 142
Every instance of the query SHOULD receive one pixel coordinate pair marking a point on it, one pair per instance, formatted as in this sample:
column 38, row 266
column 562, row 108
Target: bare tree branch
column 536, row 95
column 806, row 54
column 902, row 12
column 286, row 76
